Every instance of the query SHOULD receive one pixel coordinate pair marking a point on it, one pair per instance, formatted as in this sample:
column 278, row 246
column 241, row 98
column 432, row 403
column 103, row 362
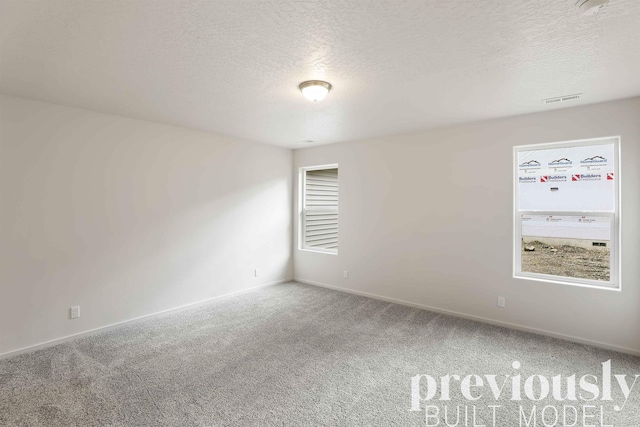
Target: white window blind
column 320, row 210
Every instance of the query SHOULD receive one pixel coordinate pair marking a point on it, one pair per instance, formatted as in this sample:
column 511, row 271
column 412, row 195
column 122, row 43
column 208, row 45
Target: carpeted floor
column 296, row 355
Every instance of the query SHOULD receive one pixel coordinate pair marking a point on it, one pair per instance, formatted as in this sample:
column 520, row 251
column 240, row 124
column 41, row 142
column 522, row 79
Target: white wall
column 126, row 218
column 424, row 220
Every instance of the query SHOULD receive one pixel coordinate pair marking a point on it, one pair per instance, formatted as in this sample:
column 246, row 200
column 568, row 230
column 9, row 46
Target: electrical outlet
column 345, row 274
column 75, row 312
column 501, row 302
column 255, row 273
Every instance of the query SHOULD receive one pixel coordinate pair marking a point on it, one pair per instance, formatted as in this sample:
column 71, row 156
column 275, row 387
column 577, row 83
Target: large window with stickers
column 567, row 212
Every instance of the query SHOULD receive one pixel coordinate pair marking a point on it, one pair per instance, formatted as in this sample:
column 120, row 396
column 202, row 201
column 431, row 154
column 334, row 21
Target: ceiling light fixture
column 591, row 7
column 315, row 90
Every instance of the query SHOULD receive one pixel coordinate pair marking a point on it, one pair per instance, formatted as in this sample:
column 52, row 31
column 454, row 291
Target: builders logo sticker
column 610, row 176
column 525, row 179
column 590, row 177
column 553, row 178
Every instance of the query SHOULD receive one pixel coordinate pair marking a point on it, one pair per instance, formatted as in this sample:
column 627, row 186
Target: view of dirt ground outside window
column 564, row 245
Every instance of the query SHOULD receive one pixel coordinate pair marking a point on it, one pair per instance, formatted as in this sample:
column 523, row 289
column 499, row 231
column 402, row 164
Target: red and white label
column 544, row 178
column 575, row 177
column 610, row 176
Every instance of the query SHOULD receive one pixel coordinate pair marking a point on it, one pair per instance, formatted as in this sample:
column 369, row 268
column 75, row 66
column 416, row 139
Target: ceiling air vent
column 562, row 98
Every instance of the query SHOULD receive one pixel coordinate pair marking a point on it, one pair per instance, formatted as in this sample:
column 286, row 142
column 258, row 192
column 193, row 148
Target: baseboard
column 106, row 328
column 476, row 318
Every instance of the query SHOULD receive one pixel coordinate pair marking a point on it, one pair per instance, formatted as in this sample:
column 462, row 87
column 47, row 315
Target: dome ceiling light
column 591, row 7
column 315, row 90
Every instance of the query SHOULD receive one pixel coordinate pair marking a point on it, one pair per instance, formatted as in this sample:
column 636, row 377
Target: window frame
column 302, row 179
column 615, row 282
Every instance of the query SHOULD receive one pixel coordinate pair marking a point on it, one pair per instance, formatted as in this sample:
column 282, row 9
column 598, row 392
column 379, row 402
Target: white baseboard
column 476, row 318
column 106, row 328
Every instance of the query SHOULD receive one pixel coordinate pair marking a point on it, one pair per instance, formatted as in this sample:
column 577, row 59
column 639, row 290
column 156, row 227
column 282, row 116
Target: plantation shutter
column 321, row 209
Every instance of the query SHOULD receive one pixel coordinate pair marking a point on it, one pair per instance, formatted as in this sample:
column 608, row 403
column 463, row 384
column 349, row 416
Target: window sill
column 319, row 251
column 604, row 287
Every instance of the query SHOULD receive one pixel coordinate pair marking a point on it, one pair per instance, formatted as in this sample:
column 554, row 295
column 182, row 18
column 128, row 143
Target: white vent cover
column 562, row 98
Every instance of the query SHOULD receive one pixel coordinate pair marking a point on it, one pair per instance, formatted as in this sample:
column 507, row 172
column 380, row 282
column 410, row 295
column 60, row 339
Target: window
column 319, row 216
column 566, row 212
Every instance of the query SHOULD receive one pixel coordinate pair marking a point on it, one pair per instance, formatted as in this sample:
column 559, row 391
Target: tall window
column 319, row 216
column 567, row 212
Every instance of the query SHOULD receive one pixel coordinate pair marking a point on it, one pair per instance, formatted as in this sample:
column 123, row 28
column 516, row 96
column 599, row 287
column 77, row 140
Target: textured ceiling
column 233, row 66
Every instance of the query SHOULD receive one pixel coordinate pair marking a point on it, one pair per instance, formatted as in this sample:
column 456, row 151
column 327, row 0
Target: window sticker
column 567, row 179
